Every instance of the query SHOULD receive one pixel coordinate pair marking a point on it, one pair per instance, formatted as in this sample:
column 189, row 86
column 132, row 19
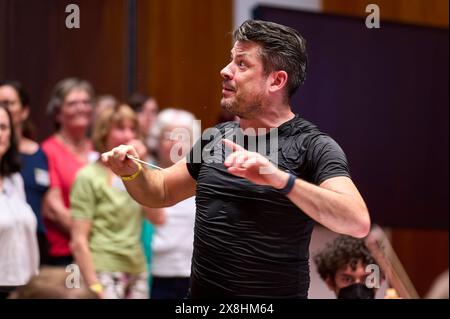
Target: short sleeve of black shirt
column 326, row 159
column 194, row 166
column 194, row 158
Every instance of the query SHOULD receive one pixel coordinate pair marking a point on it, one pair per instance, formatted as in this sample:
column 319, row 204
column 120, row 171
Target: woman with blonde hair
column 106, row 220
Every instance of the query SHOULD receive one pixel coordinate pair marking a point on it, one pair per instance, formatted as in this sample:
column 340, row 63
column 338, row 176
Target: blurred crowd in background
column 61, row 206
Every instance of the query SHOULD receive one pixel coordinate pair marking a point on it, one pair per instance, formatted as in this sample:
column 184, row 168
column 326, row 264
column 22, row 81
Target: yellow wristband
column 131, row 177
column 98, row 288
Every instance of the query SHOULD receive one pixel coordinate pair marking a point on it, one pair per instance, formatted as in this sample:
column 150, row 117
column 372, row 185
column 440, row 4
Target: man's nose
column 226, row 72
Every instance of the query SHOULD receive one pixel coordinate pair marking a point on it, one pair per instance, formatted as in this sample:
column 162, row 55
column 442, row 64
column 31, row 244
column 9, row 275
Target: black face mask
column 356, row 291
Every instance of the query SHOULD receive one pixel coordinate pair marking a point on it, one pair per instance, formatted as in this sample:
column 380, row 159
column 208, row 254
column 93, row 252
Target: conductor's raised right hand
column 117, row 160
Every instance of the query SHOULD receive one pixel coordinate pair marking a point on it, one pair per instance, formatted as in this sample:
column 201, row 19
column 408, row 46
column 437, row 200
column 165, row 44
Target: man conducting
column 255, row 215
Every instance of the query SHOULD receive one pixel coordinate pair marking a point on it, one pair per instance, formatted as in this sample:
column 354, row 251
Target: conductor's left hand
column 254, row 167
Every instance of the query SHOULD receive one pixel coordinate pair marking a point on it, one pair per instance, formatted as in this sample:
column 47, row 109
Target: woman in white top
column 19, row 253
column 172, row 136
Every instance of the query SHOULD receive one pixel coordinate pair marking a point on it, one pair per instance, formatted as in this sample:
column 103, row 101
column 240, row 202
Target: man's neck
column 269, row 118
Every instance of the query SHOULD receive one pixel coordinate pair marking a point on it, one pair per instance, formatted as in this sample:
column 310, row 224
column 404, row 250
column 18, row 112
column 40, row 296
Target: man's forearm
column 336, row 203
column 148, row 189
column 339, row 212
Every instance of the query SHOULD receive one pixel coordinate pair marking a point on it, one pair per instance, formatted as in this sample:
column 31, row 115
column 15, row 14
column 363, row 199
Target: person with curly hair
column 342, row 264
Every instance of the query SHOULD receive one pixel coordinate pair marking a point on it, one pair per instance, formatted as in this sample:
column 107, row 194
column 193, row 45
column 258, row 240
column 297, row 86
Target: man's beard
column 245, row 109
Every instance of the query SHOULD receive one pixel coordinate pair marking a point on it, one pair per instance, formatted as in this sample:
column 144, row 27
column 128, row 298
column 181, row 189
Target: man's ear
column 278, row 81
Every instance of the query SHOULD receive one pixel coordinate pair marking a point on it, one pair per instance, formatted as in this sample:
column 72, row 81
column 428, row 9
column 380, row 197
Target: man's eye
column 241, row 63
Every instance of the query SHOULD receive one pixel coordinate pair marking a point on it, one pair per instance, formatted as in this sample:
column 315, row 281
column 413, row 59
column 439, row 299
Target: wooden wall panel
column 182, row 46
column 38, row 49
column 423, row 253
column 3, row 36
column 421, row 12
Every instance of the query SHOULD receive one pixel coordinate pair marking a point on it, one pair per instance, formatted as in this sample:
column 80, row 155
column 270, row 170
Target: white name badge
column 41, row 177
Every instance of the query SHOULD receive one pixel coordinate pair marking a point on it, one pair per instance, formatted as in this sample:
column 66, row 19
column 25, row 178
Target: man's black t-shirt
column 251, row 241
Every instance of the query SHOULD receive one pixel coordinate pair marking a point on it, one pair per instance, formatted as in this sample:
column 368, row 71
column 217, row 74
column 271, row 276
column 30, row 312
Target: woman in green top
column 106, row 220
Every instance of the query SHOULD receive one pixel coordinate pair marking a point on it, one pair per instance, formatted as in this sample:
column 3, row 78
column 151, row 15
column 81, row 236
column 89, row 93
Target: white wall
column 243, row 8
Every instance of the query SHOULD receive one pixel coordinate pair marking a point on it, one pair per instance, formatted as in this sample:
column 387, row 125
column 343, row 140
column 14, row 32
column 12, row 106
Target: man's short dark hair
column 283, row 48
column 344, row 250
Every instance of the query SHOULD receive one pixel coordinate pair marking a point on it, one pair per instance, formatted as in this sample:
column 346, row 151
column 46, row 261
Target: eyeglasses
column 80, row 102
column 7, row 104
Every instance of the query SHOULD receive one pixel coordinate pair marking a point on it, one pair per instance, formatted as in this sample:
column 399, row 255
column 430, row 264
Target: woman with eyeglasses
column 68, row 150
column 19, row 254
